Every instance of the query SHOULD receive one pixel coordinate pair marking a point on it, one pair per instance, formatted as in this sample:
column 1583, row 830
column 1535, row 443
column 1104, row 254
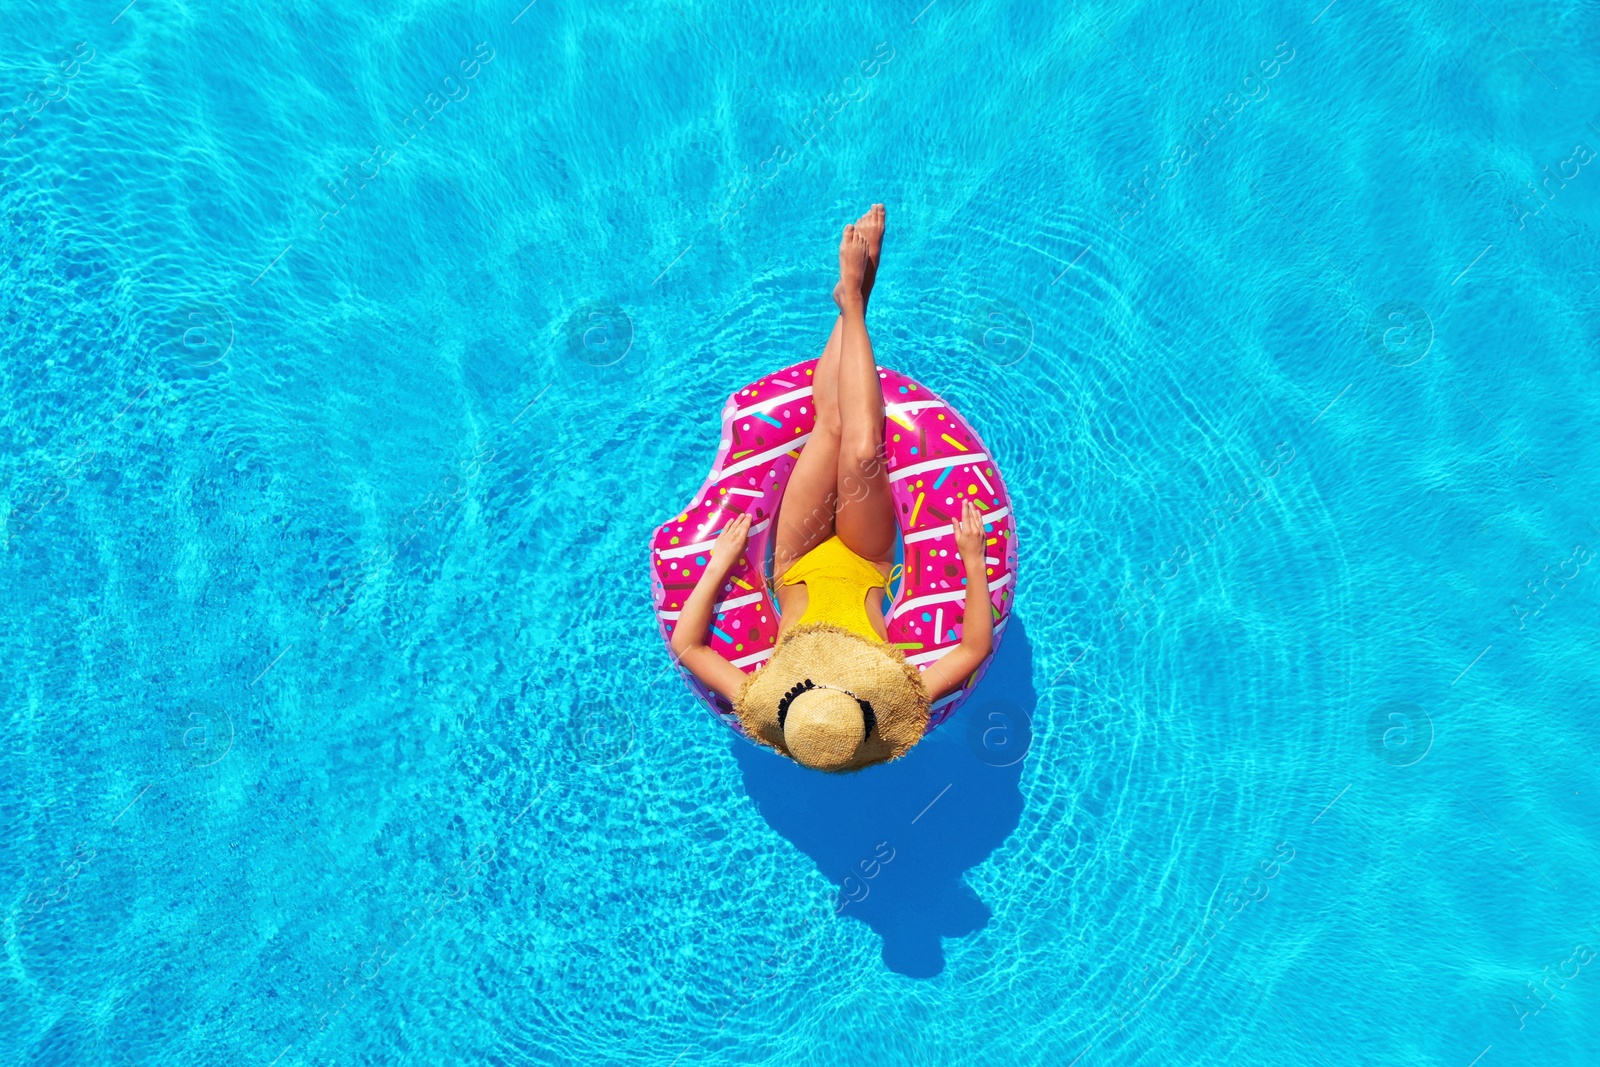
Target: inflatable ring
column 935, row 460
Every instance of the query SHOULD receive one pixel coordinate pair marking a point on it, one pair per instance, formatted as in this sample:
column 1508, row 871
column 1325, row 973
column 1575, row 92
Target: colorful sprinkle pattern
column 936, row 461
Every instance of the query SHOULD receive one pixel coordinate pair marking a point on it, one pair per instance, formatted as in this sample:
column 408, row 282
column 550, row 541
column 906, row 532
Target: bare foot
column 852, row 271
column 870, row 226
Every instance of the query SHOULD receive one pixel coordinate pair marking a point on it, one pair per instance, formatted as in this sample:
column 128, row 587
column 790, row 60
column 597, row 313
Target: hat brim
column 833, row 656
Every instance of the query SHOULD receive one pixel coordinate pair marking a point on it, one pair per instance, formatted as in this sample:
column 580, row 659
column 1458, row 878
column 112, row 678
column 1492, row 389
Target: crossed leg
column 834, row 488
column 865, row 517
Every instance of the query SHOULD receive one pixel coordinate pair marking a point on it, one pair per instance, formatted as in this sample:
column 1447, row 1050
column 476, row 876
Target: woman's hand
column 969, row 536
column 952, row 670
column 730, row 544
column 688, row 641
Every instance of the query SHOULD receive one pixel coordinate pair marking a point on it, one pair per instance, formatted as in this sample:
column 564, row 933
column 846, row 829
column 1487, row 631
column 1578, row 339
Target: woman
column 834, row 695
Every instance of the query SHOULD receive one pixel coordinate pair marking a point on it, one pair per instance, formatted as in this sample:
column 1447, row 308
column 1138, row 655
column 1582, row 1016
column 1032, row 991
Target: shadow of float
column 896, row 839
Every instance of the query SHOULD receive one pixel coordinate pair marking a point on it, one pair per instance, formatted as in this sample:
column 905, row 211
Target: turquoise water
column 352, row 353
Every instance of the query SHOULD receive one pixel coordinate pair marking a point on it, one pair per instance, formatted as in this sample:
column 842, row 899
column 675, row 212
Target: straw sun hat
column 833, row 700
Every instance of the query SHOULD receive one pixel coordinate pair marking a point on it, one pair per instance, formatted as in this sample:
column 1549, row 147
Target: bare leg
column 810, row 500
column 865, row 520
column 805, row 517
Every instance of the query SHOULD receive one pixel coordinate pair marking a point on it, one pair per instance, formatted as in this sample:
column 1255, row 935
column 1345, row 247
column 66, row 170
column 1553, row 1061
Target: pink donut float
column 935, row 460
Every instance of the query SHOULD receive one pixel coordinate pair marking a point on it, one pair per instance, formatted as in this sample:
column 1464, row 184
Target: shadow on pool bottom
column 897, row 838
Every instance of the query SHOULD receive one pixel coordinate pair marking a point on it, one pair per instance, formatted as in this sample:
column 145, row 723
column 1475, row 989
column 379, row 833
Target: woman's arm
column 689, row 636
column 949, row 672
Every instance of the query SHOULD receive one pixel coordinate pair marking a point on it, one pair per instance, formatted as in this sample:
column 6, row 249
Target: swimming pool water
column 352, row 352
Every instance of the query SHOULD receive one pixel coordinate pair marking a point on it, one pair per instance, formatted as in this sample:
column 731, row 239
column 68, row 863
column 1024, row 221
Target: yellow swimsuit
column 837, row 581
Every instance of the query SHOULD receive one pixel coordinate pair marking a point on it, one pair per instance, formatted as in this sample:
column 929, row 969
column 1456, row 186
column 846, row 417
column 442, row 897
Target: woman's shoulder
column 792, row 601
